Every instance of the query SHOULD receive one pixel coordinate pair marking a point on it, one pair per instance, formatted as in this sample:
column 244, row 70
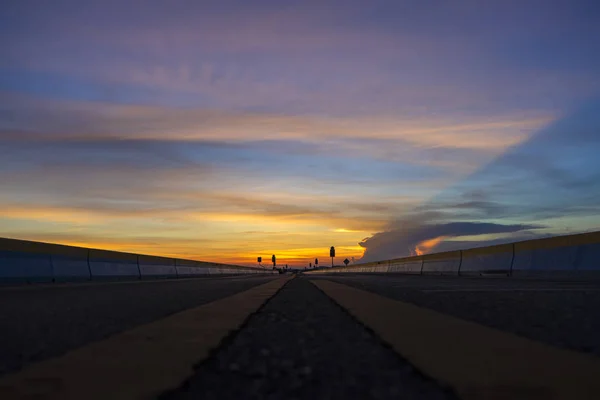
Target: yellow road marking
column 476, row 361
column 142, row 362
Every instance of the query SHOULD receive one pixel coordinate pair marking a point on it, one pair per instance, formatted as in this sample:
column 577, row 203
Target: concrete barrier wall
column 446, row 263
column 186, row 268
column 379, row 267
column 28, row 267
column 113, row 264
column 70, row 263
column 561, row 256
column 409, row 265
column 487, row 260
column 27, row 261
column 41, row 262
column 157, row 267
column 373, row 267
column 588, row 258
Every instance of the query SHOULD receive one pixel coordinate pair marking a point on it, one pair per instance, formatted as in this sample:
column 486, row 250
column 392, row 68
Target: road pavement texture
column 301, row 345
column 42, row 321
column 560, row 313
column 308, row 337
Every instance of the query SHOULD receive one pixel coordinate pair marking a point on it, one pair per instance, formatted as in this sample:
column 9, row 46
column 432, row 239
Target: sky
column 227, row 130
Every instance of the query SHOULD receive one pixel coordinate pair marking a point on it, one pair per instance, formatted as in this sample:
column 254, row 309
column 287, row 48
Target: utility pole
column 332, row 254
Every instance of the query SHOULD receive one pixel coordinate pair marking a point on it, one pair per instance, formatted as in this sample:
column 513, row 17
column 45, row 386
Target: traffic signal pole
column 332, row 254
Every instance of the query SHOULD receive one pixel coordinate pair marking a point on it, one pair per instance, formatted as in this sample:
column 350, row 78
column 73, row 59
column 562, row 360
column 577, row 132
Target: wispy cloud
column 419, row 236
column 546, row 185
column 322, row 119
column 35, row 118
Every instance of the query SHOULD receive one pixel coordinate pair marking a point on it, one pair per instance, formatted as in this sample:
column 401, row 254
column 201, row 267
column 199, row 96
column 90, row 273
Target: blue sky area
column 225, row 130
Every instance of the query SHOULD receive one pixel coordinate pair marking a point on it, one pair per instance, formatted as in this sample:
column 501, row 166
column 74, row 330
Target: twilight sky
column 226, row 130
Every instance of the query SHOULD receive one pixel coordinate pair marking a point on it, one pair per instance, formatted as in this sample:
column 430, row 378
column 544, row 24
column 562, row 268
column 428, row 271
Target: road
column 560, row 313
column 324, row 336
column 302, row 346
column 42, row 321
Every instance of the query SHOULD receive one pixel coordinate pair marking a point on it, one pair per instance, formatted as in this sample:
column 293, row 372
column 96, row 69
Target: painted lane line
column 476, row 361
column 140, row 363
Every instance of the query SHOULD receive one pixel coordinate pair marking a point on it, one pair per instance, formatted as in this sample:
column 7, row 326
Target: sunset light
column 229, row 131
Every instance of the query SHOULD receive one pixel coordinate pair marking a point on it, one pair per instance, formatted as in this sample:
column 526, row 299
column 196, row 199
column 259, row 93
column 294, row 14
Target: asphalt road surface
column 42, row 321
column 560, row 313
column 301, row 345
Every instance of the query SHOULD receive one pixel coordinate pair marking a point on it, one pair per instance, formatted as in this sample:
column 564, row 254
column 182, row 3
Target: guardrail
column 27, row 261
column 570, row 255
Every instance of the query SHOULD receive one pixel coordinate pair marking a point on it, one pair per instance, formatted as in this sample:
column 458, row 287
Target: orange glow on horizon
column 427, row 245
column 294, row 257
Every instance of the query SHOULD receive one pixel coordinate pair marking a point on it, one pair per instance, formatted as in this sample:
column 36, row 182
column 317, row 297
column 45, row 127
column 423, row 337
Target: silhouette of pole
column 332, row 254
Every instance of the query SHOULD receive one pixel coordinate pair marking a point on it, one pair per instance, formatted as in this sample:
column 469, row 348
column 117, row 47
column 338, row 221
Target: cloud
column 28, row 118
column 222, row 116
column 138, row 156
column 548, row 184
column 555, row 169
column 338, row 59
column 414, row 236
column 99, row 167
